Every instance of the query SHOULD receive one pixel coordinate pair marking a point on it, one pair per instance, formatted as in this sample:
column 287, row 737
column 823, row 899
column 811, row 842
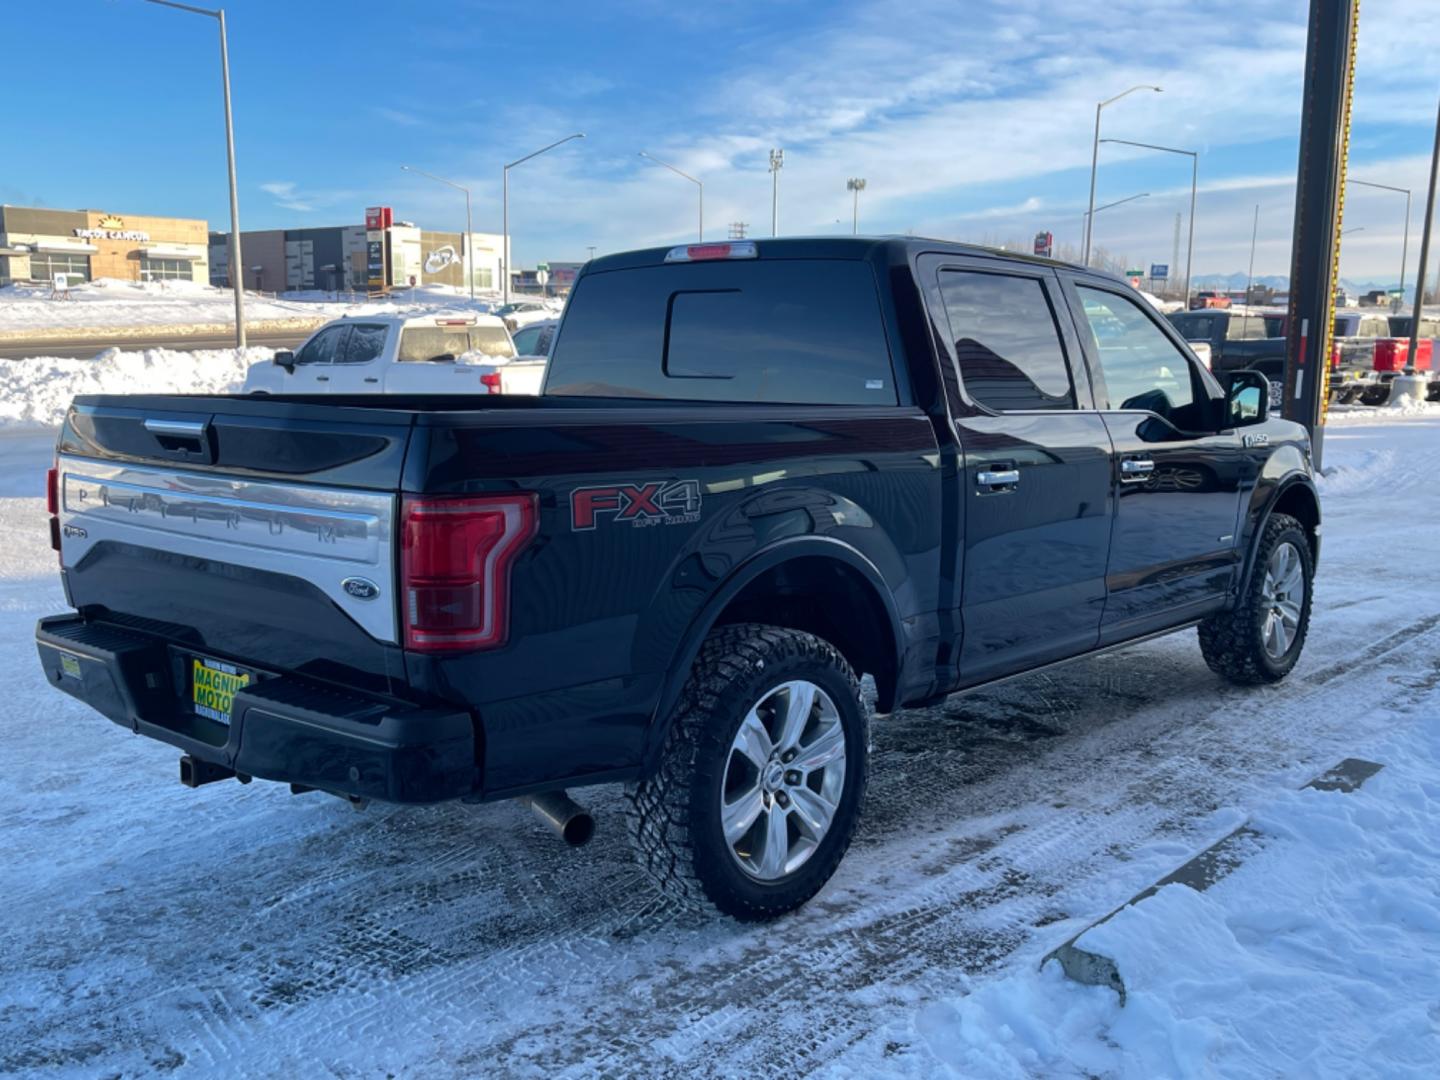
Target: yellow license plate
column 213, row 685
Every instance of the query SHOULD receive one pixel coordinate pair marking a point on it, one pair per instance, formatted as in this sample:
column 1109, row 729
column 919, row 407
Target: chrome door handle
column 179, row 429
column 998, row 479
column 1136, row 470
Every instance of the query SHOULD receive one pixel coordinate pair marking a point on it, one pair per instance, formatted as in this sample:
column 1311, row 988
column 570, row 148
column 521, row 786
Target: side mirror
column 286, row 359
column 1247, row 399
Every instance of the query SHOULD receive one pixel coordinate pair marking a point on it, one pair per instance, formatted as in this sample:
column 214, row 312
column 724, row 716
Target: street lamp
column 505, row 208
column 1194, row 157
column 856, row 185
column 693, row 180
column 777, row 162
column 237, row 263
column 1405, row 242
column 469, row 244
column 1095, row 158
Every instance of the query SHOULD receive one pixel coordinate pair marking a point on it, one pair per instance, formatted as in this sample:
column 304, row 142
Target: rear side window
column 1194, row 327
column 803, row 331
column 1006, row 341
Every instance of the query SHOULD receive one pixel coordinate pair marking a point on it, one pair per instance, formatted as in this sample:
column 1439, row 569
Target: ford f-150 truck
column 757, row 471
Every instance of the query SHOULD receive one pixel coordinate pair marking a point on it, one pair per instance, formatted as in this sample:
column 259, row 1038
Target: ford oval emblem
column 360, row 588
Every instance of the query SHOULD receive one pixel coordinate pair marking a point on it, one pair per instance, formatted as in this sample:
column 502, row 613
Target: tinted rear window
column 805, row 331
column 425, row 343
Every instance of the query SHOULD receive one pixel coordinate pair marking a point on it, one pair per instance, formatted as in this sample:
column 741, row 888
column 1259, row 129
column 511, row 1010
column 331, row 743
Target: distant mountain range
column 1281, row 282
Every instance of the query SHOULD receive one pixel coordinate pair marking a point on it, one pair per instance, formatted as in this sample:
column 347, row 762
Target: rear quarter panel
column 603, row 600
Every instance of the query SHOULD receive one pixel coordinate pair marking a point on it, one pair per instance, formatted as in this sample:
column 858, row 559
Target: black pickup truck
column 758, row 471
column 1237, row 340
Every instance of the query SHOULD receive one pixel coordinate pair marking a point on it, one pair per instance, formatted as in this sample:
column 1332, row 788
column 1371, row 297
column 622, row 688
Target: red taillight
column 491, row 382
column 455, row 561
column 736, row 249
column 52, row 504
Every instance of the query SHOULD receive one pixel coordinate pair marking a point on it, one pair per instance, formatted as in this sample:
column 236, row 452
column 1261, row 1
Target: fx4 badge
column 1258, row 439
column 657, row 503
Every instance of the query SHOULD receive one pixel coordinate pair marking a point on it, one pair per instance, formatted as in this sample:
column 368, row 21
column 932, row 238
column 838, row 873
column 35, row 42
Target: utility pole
column 237, row 260
column 855, row 184
column 1175, row 254
column 1250, row 275
column 1095, row 161
column 1415, row 386
column 777, row 162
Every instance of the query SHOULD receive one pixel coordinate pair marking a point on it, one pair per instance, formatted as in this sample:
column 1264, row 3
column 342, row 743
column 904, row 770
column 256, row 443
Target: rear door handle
column 371, row 378
column 1136, row 470
column 322, row 378
column 997, row 480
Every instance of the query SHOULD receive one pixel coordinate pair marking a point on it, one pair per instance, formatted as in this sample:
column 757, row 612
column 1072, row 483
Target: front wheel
column 761, row 777
column 1260, row 639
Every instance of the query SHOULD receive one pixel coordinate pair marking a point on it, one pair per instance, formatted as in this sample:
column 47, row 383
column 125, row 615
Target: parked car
column 1244, row 340
column 535, row 339
column 390, row 354
column 1352, row 365
column 759, row 470
column 1207, row 299
column 1391, row 357
column 524, row 312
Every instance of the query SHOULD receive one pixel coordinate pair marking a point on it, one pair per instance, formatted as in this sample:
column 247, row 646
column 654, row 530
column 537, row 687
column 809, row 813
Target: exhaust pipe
column 571, row 821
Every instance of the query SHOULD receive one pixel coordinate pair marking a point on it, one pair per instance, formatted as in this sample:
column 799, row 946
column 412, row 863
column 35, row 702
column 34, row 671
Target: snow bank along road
column 239, row 929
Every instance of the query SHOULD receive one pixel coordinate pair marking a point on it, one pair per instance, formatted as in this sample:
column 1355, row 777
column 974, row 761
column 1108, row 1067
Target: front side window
column 1006, row 341
column 1143, row 369
column 323, row 347
column 367, row 342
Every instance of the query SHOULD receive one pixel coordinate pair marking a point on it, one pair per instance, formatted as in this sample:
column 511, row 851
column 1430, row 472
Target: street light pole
column 777, row 162
column 693, row 180
column 1424, row 254
column 505, row 207
column 1095, row 160
column 1089, row 215
column 469, row 244
column 856, row 185
column 1194, row 156
column 1405, row 240
column 237, row 260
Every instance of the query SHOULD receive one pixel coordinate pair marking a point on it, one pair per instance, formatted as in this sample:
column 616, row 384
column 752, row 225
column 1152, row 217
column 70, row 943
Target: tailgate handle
column 185, row 437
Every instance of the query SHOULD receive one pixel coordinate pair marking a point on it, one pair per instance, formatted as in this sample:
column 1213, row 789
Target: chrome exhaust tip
column 570, row 821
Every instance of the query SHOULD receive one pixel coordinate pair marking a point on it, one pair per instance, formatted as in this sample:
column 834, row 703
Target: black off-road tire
column 674, row 815
column 1232, row 642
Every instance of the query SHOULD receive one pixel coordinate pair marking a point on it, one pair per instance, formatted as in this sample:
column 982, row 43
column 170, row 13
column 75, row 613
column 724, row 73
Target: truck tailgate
column 260, row 532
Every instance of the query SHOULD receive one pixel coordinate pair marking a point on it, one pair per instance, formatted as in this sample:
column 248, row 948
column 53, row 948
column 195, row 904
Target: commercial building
column 40, row 245
column 381, row 254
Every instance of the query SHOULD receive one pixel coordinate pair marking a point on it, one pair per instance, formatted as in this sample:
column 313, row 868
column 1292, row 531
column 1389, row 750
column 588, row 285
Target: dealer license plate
column 213, row 686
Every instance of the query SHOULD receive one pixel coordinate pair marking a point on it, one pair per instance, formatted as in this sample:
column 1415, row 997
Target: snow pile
column 1316, row 957
column 37, row 391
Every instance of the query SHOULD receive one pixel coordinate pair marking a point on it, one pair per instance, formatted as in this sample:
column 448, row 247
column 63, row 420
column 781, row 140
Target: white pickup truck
column 391, row 354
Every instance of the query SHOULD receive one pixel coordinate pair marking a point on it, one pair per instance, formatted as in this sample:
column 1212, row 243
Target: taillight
column 736, row 249
column 455, row 560
column 491, row 382
column 52, row 504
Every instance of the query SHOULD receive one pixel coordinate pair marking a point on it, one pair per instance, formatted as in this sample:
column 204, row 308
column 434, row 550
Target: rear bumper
column 282, row 728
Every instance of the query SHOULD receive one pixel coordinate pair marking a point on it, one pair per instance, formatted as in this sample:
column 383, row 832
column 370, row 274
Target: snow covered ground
column 239, row 930
column 110, row 304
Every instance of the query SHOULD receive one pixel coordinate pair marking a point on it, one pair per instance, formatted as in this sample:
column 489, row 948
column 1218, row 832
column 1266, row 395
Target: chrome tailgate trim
column 326, row 536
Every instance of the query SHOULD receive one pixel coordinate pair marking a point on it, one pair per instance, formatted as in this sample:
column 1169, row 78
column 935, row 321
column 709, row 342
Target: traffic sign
column 542, row 276
column 1137, row 272
column 1159, row 271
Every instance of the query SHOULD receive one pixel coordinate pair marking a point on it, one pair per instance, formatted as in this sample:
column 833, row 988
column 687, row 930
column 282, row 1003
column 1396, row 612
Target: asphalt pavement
column 274, row 339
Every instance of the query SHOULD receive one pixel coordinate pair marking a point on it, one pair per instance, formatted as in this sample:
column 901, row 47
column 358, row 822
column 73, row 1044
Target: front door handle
column 322, row 378
column 371, row 378
column 997, row 480
column 1136, row 470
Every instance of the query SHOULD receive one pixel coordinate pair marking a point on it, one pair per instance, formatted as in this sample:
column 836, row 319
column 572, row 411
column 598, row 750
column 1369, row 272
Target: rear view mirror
column 1247, row 399
column 286, row 359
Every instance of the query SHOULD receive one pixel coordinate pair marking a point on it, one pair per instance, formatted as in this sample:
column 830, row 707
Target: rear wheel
column 1261, row 638
column 761, row 777
column 1375, row 395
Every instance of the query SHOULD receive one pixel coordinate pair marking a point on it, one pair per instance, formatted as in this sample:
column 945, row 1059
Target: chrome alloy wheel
column 783, row 780
column 1282, row 596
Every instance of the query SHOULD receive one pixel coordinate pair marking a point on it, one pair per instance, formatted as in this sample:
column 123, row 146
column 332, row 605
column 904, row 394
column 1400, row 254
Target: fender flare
column 783, row 551
column 1252, row 544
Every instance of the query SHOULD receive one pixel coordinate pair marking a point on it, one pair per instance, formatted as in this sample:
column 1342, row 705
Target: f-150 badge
column 639, row 505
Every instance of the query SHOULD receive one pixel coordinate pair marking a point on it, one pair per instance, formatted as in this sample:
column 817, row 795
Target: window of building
column 484, row 277
column 1006, row 341
column 164, row 269
column 785, row 330
column 44, row 265
column 1143, row 369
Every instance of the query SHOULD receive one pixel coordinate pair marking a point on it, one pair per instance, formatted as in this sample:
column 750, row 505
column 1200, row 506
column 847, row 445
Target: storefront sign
column 375, row 262
column 113, row 234
column 440, row 258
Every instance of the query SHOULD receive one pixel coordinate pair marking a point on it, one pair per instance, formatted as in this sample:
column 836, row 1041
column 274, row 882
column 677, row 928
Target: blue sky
column 968, row 118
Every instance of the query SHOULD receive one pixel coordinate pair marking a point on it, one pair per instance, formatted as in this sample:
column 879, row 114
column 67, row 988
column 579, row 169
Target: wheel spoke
column 1282, row 638
column 1292, row 579
column 739, row 816
column 1290, row 610
column 800, row 699
column 827, row 747
column 812, row 812
column 777, row 844
column 753, row 741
